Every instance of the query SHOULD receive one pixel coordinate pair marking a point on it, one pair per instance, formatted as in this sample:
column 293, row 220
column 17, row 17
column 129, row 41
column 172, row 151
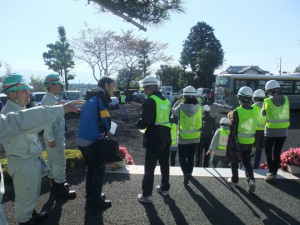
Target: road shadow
column 176, row 212
column 272, row 212
column 54, row 207
column 290, row 187
column 93, row 216
column 152, row 215
column 214, row 210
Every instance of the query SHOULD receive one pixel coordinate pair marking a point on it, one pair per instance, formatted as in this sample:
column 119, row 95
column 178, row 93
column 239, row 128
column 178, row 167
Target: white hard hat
column 189, row 91
column 259, row 93
column 224, row 120
column 149, row 80
column 206, row 108
column 271, row 84
column 121, row 92
column 245, row 91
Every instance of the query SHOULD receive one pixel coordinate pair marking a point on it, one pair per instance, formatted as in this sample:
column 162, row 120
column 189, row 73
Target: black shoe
column 38, row 217
column 186, row 179
column 63, row 190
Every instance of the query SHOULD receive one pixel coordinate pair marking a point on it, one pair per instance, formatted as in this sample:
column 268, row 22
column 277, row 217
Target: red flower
column 290, row 157
column 125, row 155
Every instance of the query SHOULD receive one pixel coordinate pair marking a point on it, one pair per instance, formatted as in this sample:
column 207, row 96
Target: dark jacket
column 154, row 135
column 209, row 125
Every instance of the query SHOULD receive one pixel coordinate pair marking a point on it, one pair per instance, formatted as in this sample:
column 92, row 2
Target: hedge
column 74, row 160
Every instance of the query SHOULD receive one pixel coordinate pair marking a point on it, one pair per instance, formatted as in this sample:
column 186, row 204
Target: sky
column 252, row 32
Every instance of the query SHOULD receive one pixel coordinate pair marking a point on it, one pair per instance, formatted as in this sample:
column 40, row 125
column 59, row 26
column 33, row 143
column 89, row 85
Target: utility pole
column 280, row 66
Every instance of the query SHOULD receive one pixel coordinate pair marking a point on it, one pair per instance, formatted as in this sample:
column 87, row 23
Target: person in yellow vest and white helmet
column 123, row 102
column 243, row 128
column 258, row 99
column 54, row 135
column 189, row 114
column 218, row 144
column 276, row 108
column 155, row 118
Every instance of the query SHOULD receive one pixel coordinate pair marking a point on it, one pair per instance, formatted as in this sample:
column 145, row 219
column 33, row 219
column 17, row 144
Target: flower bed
column 290, row 157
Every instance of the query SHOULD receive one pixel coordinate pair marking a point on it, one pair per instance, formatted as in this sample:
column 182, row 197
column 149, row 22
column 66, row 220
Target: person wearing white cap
column 190, row 122
column 258, row 99
column 276, row 108
column 242, row 129
column 155, row 118
column 218, row 145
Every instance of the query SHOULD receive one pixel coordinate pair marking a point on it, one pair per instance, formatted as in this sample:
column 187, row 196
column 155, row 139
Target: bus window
column 297, row 87
column 238, row 84
column 222, row 81
column 261, row 84
column 252, row 84
column 286, row 86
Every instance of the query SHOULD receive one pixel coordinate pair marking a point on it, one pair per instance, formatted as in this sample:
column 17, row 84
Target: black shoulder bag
column 106, row 148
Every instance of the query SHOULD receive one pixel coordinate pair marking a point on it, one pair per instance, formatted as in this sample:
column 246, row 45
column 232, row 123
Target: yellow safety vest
column 277, row 117
column 223, row 138
column 123, row 99
column 163, row 110
column 189, row 127
column 174, row 134
column 261, row 120
column 200, row 100
column 247, row 125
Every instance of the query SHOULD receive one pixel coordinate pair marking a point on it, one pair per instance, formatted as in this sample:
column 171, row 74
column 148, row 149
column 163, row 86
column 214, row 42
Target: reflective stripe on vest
column 277, row 117
column 189, row 126
column 247, row 125
column 174, row 134
column 223, row 138
column 163, row 110
column 261, row 120
column 123, row 99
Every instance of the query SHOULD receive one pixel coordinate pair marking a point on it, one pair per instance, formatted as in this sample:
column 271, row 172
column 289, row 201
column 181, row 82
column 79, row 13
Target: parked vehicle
column 167, row 89
column 114, row 104
column 203, row 91
column 35, row 99
column 138, row 96
column 227, row 86
column 3, row 100
column 72, row 95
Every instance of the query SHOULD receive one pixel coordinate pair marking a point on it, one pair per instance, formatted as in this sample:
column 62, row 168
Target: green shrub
column 74, row 160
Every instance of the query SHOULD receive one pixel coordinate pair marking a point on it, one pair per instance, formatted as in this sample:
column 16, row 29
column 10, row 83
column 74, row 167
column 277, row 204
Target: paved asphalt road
column 204, row 201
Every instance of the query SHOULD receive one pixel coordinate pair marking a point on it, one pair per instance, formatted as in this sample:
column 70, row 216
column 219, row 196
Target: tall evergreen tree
column 203, row 53
column 59, row 57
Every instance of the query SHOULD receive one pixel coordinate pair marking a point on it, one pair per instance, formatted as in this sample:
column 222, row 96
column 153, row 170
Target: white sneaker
column 143, row 199
column 232, row 183
column 160, row 191
column 251, row 186
column 270, row 176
